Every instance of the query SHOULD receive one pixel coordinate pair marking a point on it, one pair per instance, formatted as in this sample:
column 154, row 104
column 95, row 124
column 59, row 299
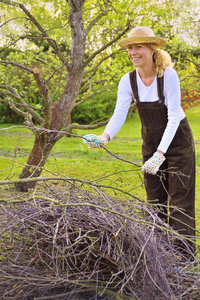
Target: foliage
column 189, row 72
column 57, row 55
column 27, row 46
column 99, row 107
column 190, row 96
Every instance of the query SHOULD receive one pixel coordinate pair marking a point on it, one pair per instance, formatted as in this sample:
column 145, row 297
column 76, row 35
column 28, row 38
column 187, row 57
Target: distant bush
column 9, row 116
column 190, row 94
column 97, row 108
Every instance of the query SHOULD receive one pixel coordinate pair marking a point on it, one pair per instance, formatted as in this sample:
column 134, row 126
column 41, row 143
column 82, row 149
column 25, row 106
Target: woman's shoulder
column 124, row 86
column 170, row 75
column 125, row 77
column 169, row 71
column 125, row 80
column 171, row 78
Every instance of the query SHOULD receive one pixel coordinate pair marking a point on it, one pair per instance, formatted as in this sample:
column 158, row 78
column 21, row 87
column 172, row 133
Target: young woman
column 168, row 146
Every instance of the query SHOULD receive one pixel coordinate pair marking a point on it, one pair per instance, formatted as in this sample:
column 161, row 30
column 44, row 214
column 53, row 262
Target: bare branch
column 51, row 41
column 92, row 95
column 9, row 45
column 83, row 181
column 15, row 41
column 189, row 76
column 106, row 45
column 99, row 63
column 78, row 126
column 18, row 104
column 16, row 65
column 59, row 85
column 11, row 3
column 17, row 110
column 45, row 97
column 10, row 20
column 197, row 66
column 66, row 130
column 13, row 94
column 95, row 20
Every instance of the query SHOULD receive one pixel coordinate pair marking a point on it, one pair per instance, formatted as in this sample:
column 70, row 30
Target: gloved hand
column 95, row 141
column 153, row 164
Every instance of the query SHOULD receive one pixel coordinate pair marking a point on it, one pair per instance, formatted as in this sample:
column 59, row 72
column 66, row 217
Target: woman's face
column 140, row 55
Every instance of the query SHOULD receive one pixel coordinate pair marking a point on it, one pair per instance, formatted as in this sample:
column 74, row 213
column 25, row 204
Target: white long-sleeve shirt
column 149, row 94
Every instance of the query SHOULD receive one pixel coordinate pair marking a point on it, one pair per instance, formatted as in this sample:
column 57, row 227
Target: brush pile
column 77, row 244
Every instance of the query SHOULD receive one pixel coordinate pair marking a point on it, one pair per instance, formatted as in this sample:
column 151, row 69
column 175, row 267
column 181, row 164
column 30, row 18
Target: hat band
column 142, row 39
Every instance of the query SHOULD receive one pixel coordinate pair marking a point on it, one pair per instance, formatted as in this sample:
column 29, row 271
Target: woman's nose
column 132, row 51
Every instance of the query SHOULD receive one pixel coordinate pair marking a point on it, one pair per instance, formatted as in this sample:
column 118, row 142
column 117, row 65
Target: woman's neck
column 147, row 76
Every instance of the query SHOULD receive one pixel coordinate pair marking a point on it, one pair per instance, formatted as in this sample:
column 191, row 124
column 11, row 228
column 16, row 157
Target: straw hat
column 141, row 34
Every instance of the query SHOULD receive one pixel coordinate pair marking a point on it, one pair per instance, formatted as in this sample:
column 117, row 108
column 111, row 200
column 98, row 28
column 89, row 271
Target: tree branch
column 99, row 63
column 66, row 130
column 16, row 65
column 92, row 95
column 78, row 126
column 11, row 44
column 197, row 66
column 13, row 94
column 16, row 109
column 10, row 20
column 52, row 42
column 106, row 45
column 63, row 107
column 94, row 21
column 2, row 93
column 190, row 76
column 82, row 181
column 19, row 38
column 45, row 97
column 75, row 4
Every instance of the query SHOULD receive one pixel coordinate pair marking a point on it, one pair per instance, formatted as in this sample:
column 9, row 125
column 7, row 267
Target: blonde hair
column 162, row 60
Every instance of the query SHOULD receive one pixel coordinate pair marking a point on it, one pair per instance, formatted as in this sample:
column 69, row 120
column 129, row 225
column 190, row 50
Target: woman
column 167, row 138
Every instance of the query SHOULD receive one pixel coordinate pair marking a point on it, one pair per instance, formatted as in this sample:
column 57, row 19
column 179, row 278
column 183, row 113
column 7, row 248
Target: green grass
column 70, row 157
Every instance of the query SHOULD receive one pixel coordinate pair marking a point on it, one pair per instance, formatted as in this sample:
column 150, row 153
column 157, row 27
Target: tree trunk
column 37, row 159
column 61, row 108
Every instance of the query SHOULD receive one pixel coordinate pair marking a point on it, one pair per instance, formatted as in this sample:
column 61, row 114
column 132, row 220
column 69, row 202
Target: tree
column 78, row 39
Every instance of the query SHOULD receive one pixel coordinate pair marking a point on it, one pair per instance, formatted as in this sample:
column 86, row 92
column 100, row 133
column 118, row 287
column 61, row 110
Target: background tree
column 70, row 50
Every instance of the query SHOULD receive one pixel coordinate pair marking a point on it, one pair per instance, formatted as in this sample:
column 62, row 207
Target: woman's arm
column 124, row 98
column 175, row 112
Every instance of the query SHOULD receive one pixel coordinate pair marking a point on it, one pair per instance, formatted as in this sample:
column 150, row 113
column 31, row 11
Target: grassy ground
column 71, row 157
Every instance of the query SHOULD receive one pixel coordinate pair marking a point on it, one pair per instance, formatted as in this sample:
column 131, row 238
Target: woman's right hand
column 95, row 141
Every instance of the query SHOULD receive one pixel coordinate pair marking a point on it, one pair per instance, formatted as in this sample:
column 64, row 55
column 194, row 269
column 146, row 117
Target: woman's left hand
column 153, row 164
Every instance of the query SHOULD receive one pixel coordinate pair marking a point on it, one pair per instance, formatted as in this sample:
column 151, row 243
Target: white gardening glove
column 95, row 141
column 153, row 164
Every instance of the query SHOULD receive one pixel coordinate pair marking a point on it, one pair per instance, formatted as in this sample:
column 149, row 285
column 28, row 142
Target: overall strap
column 134, row 85
column 160, row 87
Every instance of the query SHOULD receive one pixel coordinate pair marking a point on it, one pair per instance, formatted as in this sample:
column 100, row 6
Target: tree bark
column 62, row 108
column 37, row 159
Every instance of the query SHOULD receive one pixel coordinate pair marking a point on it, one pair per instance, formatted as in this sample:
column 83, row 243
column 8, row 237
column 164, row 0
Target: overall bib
column 178, row 182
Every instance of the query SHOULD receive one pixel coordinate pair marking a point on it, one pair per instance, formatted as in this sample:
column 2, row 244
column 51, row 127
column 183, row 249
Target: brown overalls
column 178, row 184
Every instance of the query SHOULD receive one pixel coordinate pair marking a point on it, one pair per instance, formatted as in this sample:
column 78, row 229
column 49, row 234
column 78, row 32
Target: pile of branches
column 78, row 244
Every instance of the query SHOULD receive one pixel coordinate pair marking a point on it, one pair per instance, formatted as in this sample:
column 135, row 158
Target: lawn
column 70, row 157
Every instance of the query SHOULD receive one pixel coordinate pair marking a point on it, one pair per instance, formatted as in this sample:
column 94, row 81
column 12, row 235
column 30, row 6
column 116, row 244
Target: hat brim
column 142, row 40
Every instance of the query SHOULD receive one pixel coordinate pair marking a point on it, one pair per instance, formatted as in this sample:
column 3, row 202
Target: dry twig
column 107, row 249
